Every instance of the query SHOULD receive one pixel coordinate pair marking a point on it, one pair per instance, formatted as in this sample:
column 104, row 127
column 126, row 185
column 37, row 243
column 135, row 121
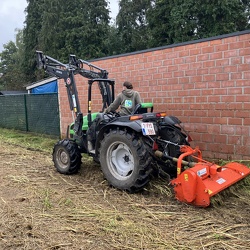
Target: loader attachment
column 202, row 180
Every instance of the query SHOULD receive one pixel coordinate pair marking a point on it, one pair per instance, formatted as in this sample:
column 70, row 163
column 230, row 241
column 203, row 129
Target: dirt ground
column 42, row 209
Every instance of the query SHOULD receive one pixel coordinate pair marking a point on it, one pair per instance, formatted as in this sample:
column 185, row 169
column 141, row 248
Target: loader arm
column 63, row 71
column 67, row 71
column 95, row 74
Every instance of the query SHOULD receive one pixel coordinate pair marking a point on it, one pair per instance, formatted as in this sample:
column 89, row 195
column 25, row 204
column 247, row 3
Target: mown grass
column 47, row 210
column 28, row 140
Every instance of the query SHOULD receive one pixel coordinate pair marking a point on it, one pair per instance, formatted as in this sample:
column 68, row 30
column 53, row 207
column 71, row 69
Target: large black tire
column 176, row 137
column 125, row 162
column 67, row 157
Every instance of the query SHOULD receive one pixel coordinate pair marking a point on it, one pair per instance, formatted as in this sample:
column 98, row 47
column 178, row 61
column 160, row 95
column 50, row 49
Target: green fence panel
column 12, row 112
column 37, row 113
column 43, row 113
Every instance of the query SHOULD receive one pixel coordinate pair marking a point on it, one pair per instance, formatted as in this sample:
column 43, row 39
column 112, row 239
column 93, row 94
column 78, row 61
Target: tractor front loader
column 133, row 148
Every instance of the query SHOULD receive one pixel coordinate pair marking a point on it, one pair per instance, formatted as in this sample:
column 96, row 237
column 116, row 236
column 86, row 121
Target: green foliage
column 219, row 17
column 31, row 34
column 113, row 42
column 184, row 21
column 132, row 25
column 79, row 27
column 83, row 28
column 179, row 21
column 46, row 199
column 7, row 63
column 13, row 77
column 95, row 29
column 160, row 23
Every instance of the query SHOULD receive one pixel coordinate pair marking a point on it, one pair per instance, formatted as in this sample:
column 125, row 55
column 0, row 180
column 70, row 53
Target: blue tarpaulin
column 50, row 87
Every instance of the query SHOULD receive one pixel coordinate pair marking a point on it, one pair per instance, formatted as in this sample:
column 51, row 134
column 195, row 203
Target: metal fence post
column 26, row 114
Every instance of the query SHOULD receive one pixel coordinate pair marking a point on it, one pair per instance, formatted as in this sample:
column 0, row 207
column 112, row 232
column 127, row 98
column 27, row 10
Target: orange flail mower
column 202, row 180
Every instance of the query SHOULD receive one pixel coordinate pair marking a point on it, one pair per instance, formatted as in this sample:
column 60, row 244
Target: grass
column 28, row 140
column 47, row 201
column 244, row 162
column 42, row 209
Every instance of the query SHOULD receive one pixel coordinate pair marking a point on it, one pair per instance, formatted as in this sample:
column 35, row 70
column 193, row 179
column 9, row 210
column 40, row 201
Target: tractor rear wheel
column 125, row 162
column 176, row 137
column 67, row 157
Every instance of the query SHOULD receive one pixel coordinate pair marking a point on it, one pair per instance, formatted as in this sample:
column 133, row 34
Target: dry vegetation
column 42, row 209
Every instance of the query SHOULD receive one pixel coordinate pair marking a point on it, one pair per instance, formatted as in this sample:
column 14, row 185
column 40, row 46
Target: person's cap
column 128, row 85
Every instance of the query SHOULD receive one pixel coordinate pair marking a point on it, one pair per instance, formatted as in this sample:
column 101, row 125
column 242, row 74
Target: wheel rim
column 62, row 158
column 120, row 160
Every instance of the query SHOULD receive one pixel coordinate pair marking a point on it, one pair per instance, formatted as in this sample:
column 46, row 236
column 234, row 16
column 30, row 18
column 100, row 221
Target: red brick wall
column 205, row 83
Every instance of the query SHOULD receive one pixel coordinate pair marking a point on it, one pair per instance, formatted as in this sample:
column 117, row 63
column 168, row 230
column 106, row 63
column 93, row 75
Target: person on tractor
column 127, row 100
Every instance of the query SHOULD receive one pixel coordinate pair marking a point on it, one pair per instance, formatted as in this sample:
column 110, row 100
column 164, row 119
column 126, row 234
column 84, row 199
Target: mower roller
column 202, row 179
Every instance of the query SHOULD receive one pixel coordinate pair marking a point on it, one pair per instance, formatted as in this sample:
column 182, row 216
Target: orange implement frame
column 197, row 184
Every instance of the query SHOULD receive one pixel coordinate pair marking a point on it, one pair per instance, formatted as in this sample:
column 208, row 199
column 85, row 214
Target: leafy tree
column 95, row 29
column 217, row 17
column 79, row 27
column 183, row 20
column 31, row 33
column 12, row 75
column 7, row 64
column 132, row 24
column 52, row 33
column 199, row 19
column 178, row 21
column 83, row 28
column 113, row 42
column 160, row 23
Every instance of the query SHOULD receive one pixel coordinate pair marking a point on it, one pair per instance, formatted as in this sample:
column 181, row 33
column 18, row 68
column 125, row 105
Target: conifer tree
column 132, row 24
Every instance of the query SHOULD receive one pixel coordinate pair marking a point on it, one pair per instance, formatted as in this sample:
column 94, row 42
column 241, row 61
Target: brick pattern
column 205, row 84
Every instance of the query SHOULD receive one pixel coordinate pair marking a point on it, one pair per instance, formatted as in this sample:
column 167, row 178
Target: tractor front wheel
column 125, row 162
column 67, row 157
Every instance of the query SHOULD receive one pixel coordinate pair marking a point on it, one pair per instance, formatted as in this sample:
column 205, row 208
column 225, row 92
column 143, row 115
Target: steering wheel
column 112, row 115
column 137, row 107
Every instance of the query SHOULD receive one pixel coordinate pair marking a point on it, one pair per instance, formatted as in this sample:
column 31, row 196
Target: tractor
column 123, row 145
column 133, row 148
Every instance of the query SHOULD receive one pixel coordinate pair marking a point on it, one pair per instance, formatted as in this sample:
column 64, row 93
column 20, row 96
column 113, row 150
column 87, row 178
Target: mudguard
column 133, row 125
column 171, row 120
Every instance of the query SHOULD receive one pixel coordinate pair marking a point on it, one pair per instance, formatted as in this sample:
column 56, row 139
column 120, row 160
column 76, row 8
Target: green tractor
column 123, row 145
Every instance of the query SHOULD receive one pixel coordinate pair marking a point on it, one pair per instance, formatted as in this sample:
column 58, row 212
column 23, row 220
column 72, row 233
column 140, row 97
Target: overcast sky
column 12, row 16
